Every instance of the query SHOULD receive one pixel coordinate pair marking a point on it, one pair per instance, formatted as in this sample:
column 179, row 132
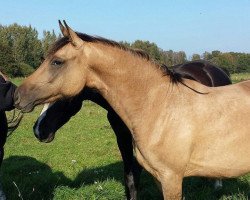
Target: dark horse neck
column 93, row 95
column 203, row 72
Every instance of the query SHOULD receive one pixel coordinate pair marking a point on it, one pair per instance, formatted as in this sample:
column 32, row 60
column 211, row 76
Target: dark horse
column 61, row 111
column 7, row 90
column 3, row 135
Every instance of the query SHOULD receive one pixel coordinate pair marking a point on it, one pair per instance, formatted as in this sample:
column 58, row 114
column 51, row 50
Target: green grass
column 83, row 162
column 240, row 77
column 17, row 80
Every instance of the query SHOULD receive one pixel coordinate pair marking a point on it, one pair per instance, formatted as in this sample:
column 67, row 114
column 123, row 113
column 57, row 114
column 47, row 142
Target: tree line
column 21, row 51
column 233, row 62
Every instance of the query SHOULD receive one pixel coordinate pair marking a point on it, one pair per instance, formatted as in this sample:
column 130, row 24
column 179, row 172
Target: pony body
column 178, row 130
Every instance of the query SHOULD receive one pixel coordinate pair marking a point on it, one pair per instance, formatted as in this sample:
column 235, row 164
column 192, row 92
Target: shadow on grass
column 29, row 178
column 199, row 188
column 36, row 180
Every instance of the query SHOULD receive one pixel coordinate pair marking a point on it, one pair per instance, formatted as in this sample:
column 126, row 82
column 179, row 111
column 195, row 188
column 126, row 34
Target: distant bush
column 25, row 69
column 19, row 70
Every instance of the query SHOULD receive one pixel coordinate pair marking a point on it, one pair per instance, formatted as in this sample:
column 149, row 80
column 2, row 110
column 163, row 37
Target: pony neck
column 131, row 85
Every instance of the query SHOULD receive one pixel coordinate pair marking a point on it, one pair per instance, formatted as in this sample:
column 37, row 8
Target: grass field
column 240, row 77
column 83, row 162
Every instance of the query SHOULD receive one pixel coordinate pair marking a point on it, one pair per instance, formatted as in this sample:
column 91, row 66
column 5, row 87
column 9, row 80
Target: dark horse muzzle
column 54, row 116
column 42, row 133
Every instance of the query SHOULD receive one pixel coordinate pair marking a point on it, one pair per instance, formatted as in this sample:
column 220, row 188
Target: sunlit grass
column 17, row 80
column 240, row 77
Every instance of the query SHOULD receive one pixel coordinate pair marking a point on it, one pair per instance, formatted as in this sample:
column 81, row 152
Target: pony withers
column 179, row 128
column 57, row 114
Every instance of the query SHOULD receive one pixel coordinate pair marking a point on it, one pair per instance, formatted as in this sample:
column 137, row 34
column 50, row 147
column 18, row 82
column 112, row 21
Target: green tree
column 126, row 44
column 151, row 48
column 180, row 57
column 215, row 53
column 48, row 39
column 196, row 57
column 243, row 62
column 6, row 59
column 207, row 56
column 20, row 70
column 171, row 57
column 168, row 57
column 227, row 61
column 24, row 43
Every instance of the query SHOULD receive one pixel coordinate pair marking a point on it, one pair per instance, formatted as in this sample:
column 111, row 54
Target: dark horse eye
column 57, row 62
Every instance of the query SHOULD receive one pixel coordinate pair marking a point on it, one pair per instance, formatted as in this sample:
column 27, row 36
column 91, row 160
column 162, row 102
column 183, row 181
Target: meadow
column 83, row 162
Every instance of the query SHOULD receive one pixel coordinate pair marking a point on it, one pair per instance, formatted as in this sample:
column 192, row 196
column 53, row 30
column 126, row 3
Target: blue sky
column 190, row 25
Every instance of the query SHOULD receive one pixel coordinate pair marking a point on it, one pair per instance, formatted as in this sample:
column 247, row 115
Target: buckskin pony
column 179, row 127
column 55, row 115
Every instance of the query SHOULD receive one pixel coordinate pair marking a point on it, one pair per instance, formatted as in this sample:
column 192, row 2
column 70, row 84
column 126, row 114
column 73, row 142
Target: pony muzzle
column 22, row 104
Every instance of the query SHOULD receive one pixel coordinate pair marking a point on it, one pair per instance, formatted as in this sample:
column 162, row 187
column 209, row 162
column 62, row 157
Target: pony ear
column 74, row 39
column 63, row 29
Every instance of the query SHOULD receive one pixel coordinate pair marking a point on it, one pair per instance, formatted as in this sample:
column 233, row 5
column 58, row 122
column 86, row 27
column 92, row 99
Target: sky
column 194, row 26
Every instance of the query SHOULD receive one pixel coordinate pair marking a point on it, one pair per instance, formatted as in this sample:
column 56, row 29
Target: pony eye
column 57, row 62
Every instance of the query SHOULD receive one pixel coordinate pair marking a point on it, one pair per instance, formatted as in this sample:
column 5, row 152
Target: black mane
column 175, row 77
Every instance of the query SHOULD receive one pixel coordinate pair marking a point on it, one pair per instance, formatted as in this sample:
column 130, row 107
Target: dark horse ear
column 73, row 37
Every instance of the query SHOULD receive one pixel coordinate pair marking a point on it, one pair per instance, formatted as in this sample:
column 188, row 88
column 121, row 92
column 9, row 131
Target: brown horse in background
column 180, row 128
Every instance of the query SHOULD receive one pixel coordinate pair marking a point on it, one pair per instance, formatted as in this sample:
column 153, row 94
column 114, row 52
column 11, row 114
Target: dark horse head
column 60, row 112
column 55, row 115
